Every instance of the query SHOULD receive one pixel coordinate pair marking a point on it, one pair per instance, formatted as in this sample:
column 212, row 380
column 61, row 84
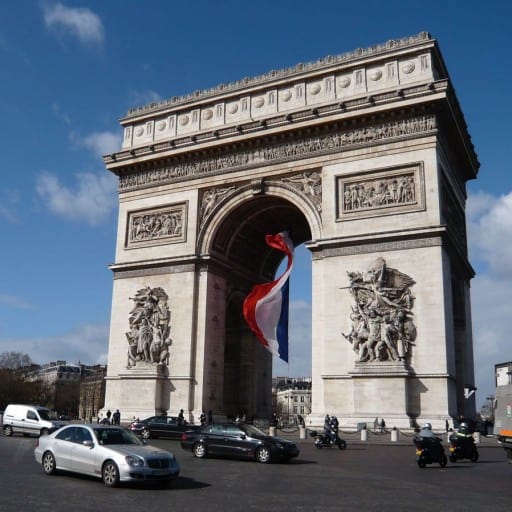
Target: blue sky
column 70, row 70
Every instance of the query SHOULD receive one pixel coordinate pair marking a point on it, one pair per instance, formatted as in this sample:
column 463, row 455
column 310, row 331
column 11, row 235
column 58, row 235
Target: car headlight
column 134, row 461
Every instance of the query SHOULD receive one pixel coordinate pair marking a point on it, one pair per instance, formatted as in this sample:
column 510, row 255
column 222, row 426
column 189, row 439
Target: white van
column 29, row 420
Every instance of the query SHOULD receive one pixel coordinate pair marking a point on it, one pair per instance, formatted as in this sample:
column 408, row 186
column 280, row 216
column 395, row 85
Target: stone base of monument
column 141, row 391
column 380, row 388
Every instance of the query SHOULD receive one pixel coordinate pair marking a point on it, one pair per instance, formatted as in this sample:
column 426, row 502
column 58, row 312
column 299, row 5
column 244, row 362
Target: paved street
column 372, row 476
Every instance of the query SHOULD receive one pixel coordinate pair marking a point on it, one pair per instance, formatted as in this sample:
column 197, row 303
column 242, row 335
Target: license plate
column 159, row 472
column 418, row 452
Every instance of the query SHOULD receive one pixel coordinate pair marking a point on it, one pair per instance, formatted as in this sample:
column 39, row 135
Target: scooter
column 326, row 441
column 429, row 450
column 463, row 448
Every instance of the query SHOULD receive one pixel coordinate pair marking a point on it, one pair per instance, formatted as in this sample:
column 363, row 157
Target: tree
column 14, row 360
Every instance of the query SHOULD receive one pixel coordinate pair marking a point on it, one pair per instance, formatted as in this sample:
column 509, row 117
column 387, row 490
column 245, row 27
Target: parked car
column 170, row 427
column 29, row 420
column 238, row 440
column 112, row 453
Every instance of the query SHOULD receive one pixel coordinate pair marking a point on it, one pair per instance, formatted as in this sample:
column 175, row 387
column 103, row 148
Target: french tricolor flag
column 266, row 307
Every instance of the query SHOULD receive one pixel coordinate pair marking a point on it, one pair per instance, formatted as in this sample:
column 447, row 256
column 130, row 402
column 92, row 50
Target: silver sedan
column 113, row 454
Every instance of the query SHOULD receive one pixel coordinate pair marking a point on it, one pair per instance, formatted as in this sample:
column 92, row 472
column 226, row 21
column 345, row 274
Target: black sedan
column 170, row 427
column 237, row 440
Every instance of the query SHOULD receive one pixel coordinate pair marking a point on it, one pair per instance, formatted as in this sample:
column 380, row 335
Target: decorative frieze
column 288, row 151
column 156, row 226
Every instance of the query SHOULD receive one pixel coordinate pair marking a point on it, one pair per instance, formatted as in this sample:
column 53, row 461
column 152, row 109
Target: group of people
column 111, row 419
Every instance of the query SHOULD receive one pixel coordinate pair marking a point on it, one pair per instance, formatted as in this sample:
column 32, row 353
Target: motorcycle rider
column 426, row 432
column 463, row 431
column 334, row 428
column 328, row 429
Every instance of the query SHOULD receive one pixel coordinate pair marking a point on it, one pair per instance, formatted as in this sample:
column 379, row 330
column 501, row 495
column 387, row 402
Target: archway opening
column 239, row 246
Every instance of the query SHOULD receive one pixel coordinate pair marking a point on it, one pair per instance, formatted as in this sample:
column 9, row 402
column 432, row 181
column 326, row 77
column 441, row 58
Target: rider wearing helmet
column 426, row 431
column 463, row 430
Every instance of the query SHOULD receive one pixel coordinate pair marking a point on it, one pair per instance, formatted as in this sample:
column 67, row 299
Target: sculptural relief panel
column 150, row 326
column 377, row 193
column 156, row 226
column 382, row 320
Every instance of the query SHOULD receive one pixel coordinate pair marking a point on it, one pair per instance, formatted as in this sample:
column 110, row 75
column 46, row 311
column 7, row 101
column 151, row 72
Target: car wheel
column 110, row 474
column 263, row 455
column 199, row 450
column 8, row 430
column 44, row 432
column 48, row 463
column 145, row 433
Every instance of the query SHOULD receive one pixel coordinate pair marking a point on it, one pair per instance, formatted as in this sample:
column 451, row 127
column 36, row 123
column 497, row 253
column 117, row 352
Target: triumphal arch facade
column 365, row 157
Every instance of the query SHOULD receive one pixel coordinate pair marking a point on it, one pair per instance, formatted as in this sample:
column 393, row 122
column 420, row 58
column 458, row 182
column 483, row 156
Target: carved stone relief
column 310, row 184
column 211, row 198
column 394, row 189
column 332, row 142
column 150, row 326
column 156, row 226
column 382, row 326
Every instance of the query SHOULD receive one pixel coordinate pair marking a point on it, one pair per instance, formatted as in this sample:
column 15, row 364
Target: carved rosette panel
column 381, row 321
column 156, row 226
column 390, row 191
column 308, row 183
column 150, row 327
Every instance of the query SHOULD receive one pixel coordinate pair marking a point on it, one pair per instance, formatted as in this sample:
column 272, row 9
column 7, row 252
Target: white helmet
column 427, row 426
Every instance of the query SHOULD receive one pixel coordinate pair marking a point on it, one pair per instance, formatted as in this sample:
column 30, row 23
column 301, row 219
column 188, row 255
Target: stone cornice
column 288, row 73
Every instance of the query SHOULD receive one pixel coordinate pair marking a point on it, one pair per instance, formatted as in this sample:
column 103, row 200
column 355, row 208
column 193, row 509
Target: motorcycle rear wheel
column 453, row 458
column 421, row 462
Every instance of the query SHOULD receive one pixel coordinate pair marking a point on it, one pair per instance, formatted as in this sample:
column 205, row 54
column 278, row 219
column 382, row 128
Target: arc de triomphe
column 366, row 156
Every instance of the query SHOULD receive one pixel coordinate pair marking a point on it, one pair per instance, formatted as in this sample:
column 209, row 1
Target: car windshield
column 116, row 436
column 252, row 431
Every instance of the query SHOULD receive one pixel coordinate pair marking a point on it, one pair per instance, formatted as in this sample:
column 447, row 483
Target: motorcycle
column 429, row 450
column 328, row 441
column 463, row 448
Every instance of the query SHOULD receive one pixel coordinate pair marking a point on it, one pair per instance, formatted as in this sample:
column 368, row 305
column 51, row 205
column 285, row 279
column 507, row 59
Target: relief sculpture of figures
column 382, row 326
column 150, row 326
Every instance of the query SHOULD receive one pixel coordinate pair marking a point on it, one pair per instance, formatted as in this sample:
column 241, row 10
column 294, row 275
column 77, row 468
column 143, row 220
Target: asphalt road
column 365, row 477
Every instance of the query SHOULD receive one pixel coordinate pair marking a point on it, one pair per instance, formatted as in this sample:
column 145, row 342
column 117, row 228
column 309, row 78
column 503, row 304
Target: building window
column 359, row 77
column 424, row 62
column 271, row 98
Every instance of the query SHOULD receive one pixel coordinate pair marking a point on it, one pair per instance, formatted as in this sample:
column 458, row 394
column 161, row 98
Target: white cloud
column 100, row 143
column 77, row 21
column 87, row 344
column 92, row 200
column 490, row 231
column 140, row 98
column 490, row 236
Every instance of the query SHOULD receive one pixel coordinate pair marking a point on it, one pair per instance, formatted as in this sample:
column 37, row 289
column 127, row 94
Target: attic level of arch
column 345, row 110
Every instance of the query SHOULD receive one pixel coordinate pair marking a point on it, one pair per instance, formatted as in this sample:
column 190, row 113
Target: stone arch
column 274, row 190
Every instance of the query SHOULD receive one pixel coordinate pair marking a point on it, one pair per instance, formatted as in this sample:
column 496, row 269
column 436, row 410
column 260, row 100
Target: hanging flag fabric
column 266, row 307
